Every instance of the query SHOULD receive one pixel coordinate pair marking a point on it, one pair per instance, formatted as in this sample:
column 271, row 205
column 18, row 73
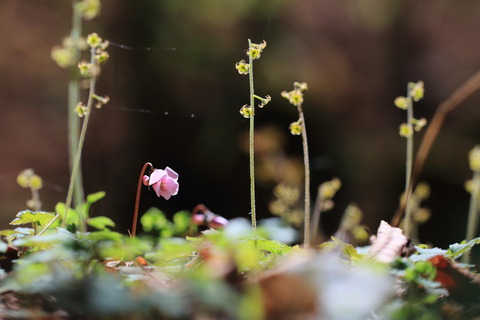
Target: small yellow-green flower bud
column 36, row 182
column 89, row 8
column 417, row 90
column 94, row 40
column 296, row 127
column 295, row 97
column 474, row 157
column 255, row 50
column 81, row 109
column 421, row 215
column 28, row 179
column 300, row 86
column 62, row 56
column 264, row 102
column 329, row 189
column 242, row 67
column 405, row 130
column 422, row 191
column 246, row 111
column 85, row 68
column 101, row 56
column 419, row 124
column 401, row 102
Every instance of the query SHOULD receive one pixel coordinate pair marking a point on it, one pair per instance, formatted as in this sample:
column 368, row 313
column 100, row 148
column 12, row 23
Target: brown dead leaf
column 389, row 243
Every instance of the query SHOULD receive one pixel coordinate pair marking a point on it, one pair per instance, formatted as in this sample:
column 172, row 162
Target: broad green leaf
column 94, row 197
column 426, row 253
column 457, row 250
column 84, row 209
column 104, row 235
column 100, row 223
column 347, row 249
column 72, row 217
column 38, row 218
column 182, row 221
column 272, row 246
column 153, row 219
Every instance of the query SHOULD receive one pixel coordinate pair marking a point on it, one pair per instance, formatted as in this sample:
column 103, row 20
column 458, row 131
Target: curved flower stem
column 78, row 156
column 137, row 198
column 306, row 163
column 408, row 169
column 251, row 143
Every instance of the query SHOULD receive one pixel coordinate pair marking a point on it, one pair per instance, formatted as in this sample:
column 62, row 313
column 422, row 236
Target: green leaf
column 272, row 246
column 457, row 250
column 346, row 248
column 72, row 217
column 182, row 221
column 104, row 235
column 94, row 197
column 39, row 218
column 153, row 219
column 84, row 209
column 100, row 223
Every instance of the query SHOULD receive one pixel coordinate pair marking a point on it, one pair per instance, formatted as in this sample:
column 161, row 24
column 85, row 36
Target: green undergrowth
column 175, row 271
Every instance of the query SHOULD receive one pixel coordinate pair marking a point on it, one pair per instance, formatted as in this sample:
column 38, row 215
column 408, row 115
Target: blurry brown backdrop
column 175, row 97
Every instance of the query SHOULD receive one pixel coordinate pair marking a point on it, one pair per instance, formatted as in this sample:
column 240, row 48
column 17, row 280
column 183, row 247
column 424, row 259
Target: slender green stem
column 73, row 99
column 37, row 204
column 473, row 212
column 137, row 198
column 78, row 156
column 408, row 168
column 473, row 209
column 306, row 163
column 251, row 142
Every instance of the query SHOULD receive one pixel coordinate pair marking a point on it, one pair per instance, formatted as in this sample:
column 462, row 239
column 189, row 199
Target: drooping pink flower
column 164, row 182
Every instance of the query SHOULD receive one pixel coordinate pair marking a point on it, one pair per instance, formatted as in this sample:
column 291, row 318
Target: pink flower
column 164, row 182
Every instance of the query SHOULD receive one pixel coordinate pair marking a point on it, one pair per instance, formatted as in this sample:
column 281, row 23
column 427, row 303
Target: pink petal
column 145, row 180
column 156, row 176
column 169, row 187
column 172, row 174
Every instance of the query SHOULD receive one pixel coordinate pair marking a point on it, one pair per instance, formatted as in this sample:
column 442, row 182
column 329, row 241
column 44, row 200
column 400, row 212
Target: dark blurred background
column 175, row 100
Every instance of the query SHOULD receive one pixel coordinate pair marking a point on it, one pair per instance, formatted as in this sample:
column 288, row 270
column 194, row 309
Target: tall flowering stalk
column 68, row 55
column 90, row 70
column 415, row 92
column 295, row 97
column 248, row 111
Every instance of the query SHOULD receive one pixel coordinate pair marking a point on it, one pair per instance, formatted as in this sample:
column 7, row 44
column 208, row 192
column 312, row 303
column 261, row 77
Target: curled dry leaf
column 389, row 244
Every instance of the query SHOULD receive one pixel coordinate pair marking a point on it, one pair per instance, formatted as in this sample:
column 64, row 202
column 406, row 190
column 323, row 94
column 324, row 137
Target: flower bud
column 405, row 130
column 246, row 111
column 401, row 103
column 474, row 158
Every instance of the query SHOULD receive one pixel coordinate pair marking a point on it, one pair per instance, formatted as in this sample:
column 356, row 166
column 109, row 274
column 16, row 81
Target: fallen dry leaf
column 389, row 243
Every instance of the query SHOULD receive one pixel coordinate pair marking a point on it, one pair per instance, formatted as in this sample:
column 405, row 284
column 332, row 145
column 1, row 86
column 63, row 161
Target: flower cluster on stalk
column 416, row 92
column 254, row 52
column 295, row 97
